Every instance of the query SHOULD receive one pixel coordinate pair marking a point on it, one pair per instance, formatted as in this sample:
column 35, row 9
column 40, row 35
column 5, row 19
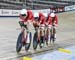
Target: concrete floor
column 9, row 34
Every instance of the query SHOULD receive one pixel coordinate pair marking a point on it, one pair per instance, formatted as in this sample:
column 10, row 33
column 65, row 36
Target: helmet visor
column 36, row 17
column 23, row 14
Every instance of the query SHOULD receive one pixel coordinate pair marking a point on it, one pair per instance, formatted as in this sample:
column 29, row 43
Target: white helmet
column 36, row 15
column 23, row 11
column 52, row 15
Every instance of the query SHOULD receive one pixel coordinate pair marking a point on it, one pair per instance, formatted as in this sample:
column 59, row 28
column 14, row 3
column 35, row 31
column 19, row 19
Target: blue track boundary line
column 9, row 16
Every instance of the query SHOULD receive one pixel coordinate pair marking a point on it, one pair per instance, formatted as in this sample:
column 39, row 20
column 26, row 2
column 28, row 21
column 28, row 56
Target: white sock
column 28, row 40
column 55, row 36
column 48, row 37
column 42, row 44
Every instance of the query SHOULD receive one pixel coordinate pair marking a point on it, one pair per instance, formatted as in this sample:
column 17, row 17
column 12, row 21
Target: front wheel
column 41, row 44
column 48, row 38
column 35, row 42
column 52, row 38
column 28, row 42
column 19, row 43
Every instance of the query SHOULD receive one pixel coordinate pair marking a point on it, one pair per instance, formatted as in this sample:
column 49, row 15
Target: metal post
column 32, row 5
column 17, row 0
column 25, row 4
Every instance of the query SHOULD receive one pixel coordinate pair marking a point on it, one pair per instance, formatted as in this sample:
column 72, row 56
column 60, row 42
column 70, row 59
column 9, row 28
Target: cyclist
column 42, row 27
column 26, row 17
column 48, row 24
column 39, row 23
column 36, row 24
column 54, row 22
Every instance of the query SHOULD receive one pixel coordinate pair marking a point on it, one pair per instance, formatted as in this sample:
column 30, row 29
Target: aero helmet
column 52, row 15
column 23, row 12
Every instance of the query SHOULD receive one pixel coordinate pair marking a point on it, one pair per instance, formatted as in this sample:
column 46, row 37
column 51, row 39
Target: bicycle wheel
column 41, row 41
column 53, row 36
column 35, row 43
column 27, row 45
column 47, row 37
column 47, row 40
column 19, row 43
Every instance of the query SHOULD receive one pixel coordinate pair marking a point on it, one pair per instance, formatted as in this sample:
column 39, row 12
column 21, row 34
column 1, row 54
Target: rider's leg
column 21, row 23
column 54, row 32
column 49, row 33
column 42, row 35
column 46, row 35
column 38, row 31
column 24, row 29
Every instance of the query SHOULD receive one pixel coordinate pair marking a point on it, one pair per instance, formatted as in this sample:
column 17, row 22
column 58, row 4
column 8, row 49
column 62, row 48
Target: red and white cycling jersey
column 55, row 20
column 42, row 19
column 28, row 17
column 49, row 20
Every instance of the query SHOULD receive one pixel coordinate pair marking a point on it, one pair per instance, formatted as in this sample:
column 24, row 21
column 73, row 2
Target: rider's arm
column 40, row 18
column 30, row 15
column 50, row 20
column 22, row 19
column 44, row 20
column 56, row 21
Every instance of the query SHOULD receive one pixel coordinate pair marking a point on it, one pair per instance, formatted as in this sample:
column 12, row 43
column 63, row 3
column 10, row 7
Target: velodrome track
column 9, row 34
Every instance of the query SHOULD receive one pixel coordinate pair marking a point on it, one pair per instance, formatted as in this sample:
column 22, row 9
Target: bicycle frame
column 37, row 31
column 24, row 37
column 47, row 34
column 40, row 32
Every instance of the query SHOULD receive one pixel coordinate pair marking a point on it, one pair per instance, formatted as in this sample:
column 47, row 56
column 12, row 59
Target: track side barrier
column 15, row 13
